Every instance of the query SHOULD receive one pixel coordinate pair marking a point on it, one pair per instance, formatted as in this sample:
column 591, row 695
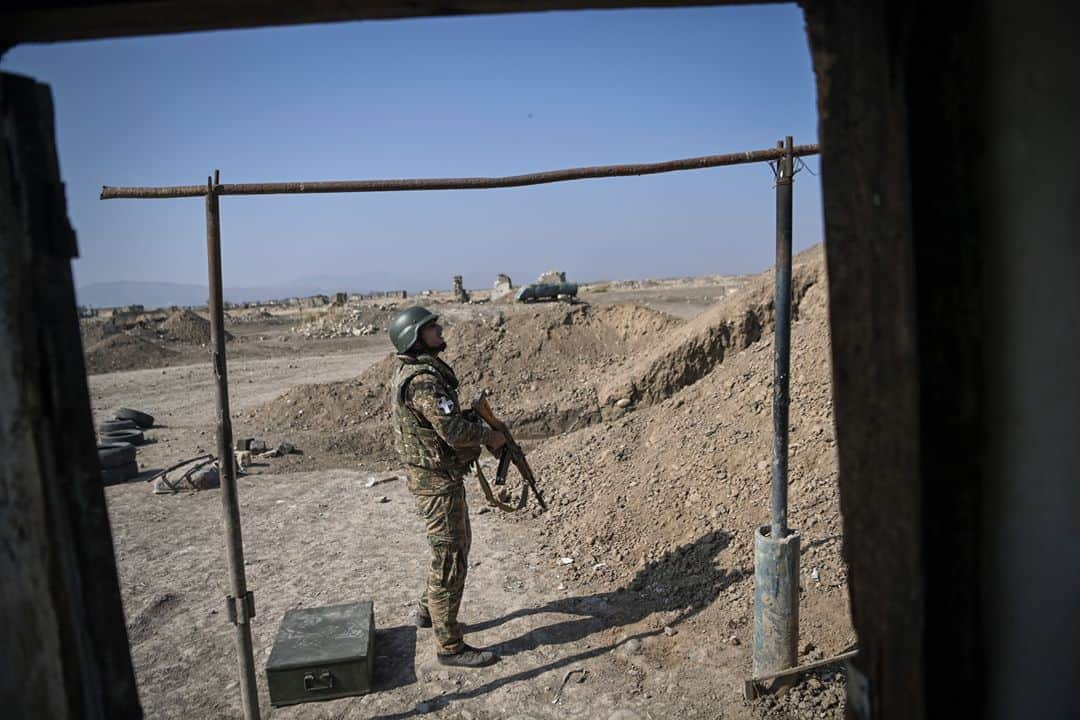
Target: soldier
column 437, row 442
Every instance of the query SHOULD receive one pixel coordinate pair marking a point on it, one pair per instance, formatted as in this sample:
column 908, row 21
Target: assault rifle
column 511, row 453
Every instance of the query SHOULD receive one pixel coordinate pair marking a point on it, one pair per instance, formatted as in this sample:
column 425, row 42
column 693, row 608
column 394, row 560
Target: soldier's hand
column 496, row 441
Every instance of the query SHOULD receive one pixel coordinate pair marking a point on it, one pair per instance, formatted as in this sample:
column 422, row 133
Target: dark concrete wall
column 952, row 203
column 1030, row 180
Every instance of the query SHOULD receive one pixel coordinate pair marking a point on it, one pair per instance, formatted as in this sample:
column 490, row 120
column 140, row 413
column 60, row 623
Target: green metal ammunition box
column 322, row 653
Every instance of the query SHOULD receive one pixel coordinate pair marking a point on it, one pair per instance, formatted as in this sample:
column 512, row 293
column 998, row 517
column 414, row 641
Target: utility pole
column 776, row 546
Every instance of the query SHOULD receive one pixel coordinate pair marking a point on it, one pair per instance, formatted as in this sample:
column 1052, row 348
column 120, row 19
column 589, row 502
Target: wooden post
column 65, row 648
column 241, row 602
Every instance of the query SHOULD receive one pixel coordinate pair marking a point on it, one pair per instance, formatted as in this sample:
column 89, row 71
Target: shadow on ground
column 143, row 476
column 685, row 580
column 395, row 665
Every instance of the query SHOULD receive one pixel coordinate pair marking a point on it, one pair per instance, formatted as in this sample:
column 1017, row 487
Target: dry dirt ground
column 641, row 574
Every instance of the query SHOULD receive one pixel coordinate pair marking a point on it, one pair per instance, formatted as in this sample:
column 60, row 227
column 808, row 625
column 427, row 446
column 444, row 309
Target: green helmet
column 405, row 327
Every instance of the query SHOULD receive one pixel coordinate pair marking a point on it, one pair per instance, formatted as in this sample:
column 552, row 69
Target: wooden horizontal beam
column 23, row 21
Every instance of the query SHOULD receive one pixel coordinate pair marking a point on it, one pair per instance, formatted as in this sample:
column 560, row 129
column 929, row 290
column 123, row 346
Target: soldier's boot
column 421, row 618
column 469, row 657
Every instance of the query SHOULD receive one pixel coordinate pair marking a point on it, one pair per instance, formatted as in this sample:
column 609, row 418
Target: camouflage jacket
column 435, row 439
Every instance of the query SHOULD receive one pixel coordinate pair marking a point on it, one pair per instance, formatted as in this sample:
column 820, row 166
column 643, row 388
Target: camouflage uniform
column 437, row 442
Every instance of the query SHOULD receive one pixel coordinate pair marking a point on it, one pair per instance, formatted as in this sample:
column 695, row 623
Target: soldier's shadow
column 683, row 581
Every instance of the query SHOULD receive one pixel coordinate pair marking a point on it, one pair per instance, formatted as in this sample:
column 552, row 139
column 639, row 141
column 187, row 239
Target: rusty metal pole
column 776, row 546
column 782, row 344
column 473, row 183
column 241, row 604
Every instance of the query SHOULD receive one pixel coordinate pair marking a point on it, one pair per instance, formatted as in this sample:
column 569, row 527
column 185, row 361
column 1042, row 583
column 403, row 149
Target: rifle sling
column 494, row 501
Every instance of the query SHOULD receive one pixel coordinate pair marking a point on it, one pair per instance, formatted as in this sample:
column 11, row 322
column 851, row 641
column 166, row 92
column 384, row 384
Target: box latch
column 324, row 681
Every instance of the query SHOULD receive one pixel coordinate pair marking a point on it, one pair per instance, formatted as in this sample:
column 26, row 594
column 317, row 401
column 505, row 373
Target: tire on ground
column 114, row 425
column 115, row 454
column 135, row 437
column 139, row 418
column 112, row 476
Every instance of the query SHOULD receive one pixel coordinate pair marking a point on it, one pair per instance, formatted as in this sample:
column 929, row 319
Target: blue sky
column 467, row 96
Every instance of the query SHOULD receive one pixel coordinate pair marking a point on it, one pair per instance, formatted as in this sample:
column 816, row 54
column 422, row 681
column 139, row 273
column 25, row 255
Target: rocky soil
column 651, row 440
column 354, row 321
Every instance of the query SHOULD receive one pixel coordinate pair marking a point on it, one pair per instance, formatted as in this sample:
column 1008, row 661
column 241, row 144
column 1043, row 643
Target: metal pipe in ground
column 782, row 344
column 776, row 546
column 241, row 603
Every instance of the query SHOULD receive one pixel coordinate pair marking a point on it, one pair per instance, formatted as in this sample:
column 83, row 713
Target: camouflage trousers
column 449, row 534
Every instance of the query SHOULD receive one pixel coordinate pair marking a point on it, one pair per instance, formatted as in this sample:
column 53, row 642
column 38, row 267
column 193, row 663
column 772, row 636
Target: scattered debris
column 285, row 448
column 243, row 459
column 206, row 478
column 140, row 418
column 582, row 674
column 337, row 322
column 373, row 481
column 197, row 476
column 109, row 426
column 134, row 437
column 119, row 470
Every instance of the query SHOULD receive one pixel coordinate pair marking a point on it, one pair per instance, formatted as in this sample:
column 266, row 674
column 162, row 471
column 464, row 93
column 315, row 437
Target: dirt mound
column 538, row 364
column 350, row 417
column 541, row 366
column 185, row 326
column 693, row 350
column 124, row 352
column 683, row 484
